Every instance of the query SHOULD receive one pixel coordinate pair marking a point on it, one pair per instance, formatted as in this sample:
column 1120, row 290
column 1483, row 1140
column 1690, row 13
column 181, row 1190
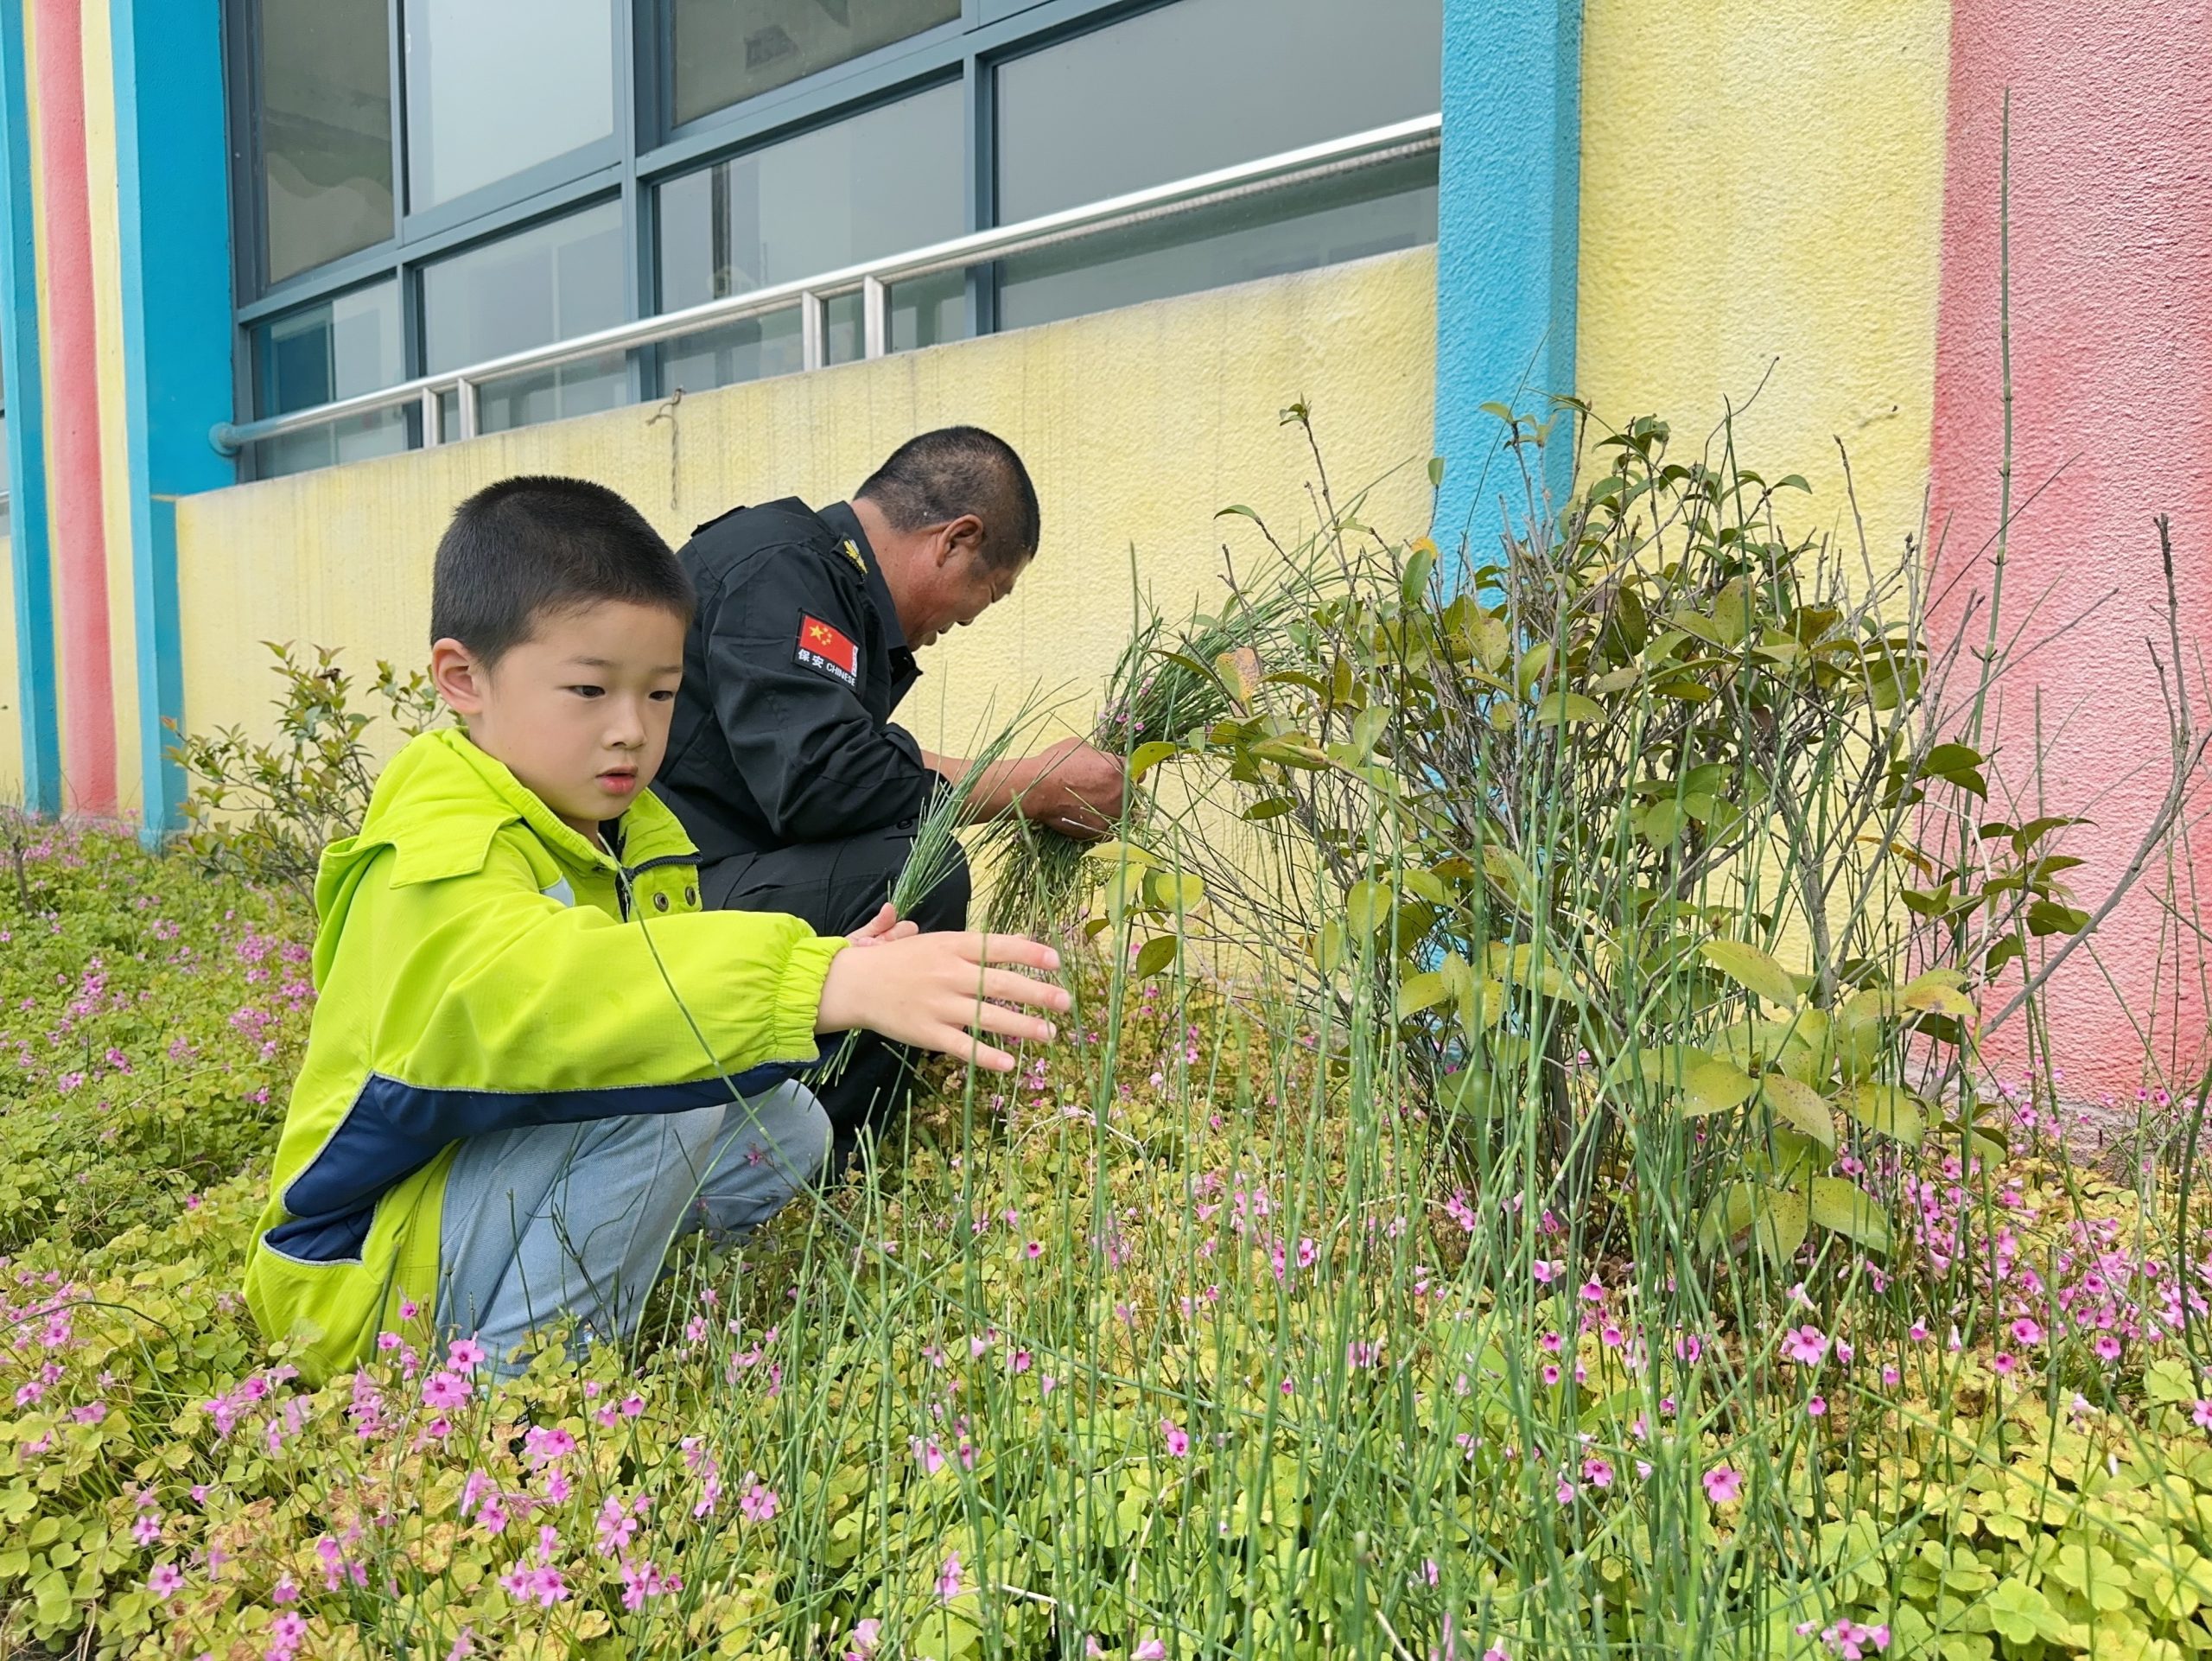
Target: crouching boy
column 534, row 1059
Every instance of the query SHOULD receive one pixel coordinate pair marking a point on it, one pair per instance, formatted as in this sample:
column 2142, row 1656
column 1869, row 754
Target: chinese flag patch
column 823, row 647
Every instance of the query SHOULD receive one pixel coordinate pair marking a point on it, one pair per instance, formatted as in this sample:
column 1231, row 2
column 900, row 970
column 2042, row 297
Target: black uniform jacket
column 782, row 733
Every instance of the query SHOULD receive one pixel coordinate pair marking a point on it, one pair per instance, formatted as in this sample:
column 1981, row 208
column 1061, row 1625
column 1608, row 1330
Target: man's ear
column 962, row 536
column 459, row 676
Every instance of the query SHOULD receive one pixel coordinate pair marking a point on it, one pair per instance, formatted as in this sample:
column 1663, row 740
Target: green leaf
column 1436, row 472
column 1368, row 906
column 1146, row 757
column 1562, row 708
column 2049, row 917
column 1938, row 993
column 1750, row 968
column 1710, row 1086
column 1268, row 807
column 1119, row 853
column 1413, row 584
column 1422, row 992
column 1155, row 955
column 1892, row 1112
column 1780, row 1226
column 1164, row 891
column 1799, row 1106
column 1844, row 1208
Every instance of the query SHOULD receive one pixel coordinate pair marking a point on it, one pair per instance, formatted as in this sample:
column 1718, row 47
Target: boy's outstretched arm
column 930, row 991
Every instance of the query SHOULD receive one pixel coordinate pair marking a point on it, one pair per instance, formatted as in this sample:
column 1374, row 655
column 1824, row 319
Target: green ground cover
column 1507, row 1252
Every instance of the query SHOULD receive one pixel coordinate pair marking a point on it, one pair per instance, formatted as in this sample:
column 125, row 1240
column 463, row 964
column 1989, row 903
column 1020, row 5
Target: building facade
column 219, row 218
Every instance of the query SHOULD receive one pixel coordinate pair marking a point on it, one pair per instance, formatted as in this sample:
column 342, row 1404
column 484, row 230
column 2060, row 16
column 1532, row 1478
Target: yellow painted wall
column 1137, row 424
column 1764, row 187
column 11, row 701
column 103, row 197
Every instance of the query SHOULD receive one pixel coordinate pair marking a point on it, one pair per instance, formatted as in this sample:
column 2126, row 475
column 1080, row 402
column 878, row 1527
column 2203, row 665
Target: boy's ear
column 459, row 675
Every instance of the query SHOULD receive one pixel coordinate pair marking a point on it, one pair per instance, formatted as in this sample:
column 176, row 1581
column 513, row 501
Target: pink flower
column 760, row 1502
column 147, row 1529
column 2203, row 1415
column 1722, row 1485
column 1815, row 1406
column 1178, row 1439
column 1545, row 1272
column 445, row 1390
column 164, row 1581
column 1807, row 1346
column 1151, row 1650
column 464, row 1354
column 1597, row 1473
column 948, row 1579
column 288, row 1629
column 866, row 1635
column 1565, row 1494
column 2025, row 1331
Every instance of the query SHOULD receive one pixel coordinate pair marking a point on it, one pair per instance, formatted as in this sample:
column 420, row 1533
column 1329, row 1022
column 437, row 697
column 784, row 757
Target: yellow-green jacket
column 481, row 965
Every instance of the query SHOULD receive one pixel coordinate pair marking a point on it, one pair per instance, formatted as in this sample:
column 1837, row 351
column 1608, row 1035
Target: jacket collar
column 841, row 519
column 443, row 800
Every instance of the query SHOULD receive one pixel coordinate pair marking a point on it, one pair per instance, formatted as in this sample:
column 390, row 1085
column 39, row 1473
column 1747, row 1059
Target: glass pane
column 494, row 86
column 1222, row 81
column 727, row 50
column 547, row 283
column 881, row 182
column 325, row 127
column 929, row 310
column 317, row 354
column 1356, row 214
column 721, row 357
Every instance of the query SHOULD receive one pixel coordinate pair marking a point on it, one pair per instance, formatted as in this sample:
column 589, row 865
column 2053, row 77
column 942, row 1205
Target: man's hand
column 935, row 991
column 1077, row 789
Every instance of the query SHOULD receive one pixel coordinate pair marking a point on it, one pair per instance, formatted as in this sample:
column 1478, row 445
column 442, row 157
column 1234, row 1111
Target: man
column 782, row 761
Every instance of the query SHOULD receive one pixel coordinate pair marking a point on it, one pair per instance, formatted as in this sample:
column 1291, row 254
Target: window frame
column 647, row 149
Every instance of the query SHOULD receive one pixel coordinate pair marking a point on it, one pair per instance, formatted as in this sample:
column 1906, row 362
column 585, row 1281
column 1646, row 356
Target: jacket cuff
column 798, row 998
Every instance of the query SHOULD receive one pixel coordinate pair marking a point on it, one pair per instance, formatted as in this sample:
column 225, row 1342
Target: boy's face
column 579, row 712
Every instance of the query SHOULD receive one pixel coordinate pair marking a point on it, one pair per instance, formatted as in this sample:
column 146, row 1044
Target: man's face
column 959, row 584
column 579, row 712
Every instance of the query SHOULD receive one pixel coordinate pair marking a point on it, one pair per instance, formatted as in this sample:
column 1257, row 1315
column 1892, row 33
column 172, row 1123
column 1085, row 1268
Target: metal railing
column 872, row 280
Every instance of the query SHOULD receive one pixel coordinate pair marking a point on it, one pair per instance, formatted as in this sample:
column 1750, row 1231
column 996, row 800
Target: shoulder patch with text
column 823, row 647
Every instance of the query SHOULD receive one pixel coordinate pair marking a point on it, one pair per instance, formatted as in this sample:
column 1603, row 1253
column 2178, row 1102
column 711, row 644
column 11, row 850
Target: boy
column 534, row 1058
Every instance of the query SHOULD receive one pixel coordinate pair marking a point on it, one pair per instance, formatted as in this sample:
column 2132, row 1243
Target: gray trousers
column 557, row 1219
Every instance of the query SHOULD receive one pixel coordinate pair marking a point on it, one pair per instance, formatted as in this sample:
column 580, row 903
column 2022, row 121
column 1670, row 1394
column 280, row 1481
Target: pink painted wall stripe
column 76, row 521
column 2112, row 369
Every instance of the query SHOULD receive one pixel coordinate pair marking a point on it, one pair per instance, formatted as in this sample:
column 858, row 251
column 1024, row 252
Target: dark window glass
column 1204, row 84
column 1349, row 217
column 494, row 86
column 880, row 182
column 547, row 283
column 325, row 129
column 346, row 345
column 727, row 50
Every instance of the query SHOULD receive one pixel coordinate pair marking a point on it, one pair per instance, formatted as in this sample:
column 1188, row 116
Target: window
column 883, row 181
column 424, row 185
column 1222, row 81
column 1225, row 81
column 549, row 283
column 319, row 353
column 728, row 50
column 324, row 130
column 496, row 86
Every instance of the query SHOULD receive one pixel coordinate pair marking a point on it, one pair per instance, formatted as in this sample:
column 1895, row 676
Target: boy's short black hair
column 940, row 475
column 538, row 544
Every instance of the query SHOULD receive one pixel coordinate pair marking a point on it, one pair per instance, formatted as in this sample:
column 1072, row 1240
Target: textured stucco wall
column 2112, row 369
column 1137, row 424
column 1765, row 191
column 11, row 696
column 1506, row 220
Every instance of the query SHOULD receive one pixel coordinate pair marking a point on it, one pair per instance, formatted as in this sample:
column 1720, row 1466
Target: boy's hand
column 930, row 989
column 884, row 926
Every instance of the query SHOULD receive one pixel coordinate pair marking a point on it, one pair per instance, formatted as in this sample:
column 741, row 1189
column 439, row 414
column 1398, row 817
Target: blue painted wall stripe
column 37, row 709
column 1509, row 200
column 173, row 175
